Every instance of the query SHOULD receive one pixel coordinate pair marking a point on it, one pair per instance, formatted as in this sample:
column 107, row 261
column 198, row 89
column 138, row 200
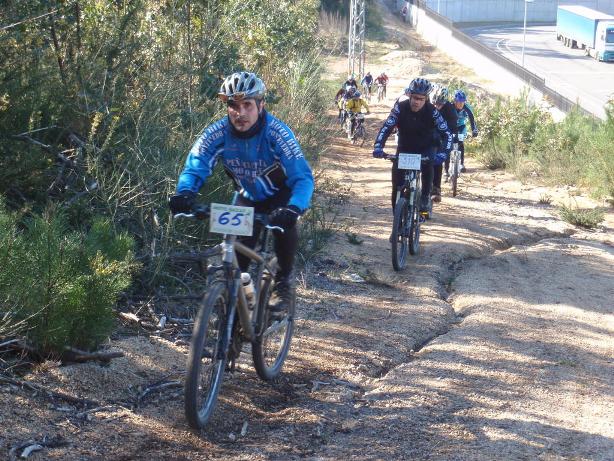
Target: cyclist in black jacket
column 417, row 121
column 439, row 98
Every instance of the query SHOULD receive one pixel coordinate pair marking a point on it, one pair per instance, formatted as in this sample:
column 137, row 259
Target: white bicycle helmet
column 440, row 94
column 242, row 85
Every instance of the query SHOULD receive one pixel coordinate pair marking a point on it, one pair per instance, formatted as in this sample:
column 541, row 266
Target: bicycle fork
column 236, row 300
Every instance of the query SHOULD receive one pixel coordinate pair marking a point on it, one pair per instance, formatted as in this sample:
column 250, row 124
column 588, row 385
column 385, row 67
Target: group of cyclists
column 264, row 159
column 262, row 156
column 351, row 101
column 426, row 122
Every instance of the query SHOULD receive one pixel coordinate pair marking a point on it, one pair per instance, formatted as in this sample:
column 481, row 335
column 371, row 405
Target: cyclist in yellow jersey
column 354, row 105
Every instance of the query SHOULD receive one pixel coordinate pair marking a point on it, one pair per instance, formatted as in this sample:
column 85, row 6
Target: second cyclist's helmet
column 351, row 92
column 356, row 95
column 419, row 86
column 242, row 85
column 439, row 95
column 460, row 96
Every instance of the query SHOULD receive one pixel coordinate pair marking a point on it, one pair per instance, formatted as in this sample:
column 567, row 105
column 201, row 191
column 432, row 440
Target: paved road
column 570, row 72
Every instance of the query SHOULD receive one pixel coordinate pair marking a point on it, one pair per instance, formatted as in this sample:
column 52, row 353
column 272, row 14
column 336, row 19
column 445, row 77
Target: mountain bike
column 359, row 135
column 367, row 92
column 407, row 216
column 380, row 92
column 454, row 169
column 342, row 118
column 235, row 310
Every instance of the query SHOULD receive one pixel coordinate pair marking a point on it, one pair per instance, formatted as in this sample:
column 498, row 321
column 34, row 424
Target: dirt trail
column 494, row 343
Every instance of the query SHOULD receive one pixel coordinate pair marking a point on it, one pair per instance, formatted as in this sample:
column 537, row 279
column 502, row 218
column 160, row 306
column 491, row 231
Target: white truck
column 588, row 29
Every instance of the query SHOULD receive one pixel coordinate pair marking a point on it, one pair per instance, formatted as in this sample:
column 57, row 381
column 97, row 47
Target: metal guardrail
column 532, row 79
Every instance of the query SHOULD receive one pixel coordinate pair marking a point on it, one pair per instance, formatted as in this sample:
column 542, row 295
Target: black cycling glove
column 182, row 202
column 284, row 217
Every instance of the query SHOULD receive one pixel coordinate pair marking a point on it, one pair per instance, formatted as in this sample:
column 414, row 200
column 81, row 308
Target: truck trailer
column 587, row 29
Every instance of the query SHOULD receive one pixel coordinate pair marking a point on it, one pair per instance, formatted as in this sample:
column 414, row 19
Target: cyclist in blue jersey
column 439, row 98
column 366, row 83
column 260, row 153
column 419, row 124
column 464, row 112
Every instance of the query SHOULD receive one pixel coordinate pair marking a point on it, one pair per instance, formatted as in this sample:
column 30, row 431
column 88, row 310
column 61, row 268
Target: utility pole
column 356, row 38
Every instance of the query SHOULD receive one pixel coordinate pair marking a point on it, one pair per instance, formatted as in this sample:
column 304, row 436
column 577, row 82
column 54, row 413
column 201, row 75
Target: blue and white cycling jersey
column 249, row 160
column 465, row 113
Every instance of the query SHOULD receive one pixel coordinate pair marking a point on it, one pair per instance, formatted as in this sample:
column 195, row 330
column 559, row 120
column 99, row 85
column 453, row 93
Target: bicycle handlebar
column 201, row 212
column 393, row 157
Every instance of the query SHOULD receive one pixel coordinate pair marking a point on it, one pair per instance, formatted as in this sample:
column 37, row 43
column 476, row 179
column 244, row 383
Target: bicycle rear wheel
column 207, row 358
column 271, row 346
column 400, row 241
column 413, row 229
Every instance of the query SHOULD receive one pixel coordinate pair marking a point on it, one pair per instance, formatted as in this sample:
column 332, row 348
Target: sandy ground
column 494, row 343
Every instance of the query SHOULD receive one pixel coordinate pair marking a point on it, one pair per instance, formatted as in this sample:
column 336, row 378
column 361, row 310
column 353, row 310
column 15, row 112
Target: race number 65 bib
column 231, row 219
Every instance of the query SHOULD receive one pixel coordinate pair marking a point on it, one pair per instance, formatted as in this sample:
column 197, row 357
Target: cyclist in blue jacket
column 260, row 153
column 464, row 112
column 419, row 125
column 439, row 98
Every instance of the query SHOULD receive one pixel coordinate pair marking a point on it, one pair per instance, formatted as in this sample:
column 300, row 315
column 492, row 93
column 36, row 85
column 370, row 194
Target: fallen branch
column 10, row 341
column 30, row 446
column 130, row 317
column 158, row 387
column 84, row 414
column 180, row 321
column 76, row 355
column 47, row 392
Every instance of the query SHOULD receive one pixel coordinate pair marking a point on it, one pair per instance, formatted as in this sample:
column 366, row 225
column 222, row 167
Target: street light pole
column 524, row 29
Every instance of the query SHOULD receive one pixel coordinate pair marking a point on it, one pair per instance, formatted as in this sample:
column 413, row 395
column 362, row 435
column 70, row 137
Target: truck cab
column 604, row 41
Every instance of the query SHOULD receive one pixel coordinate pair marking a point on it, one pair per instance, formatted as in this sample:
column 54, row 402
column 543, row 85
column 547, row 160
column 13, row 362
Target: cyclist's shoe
column 436, row 195
column 425, row 212
column 462, row 168
column 282, row 297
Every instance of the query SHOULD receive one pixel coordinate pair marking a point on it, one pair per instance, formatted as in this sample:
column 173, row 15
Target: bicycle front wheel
column 207, row 358
column 454, row 176
column 413, row 225
column 272, row 344
column 360, row 135
column 400, row 243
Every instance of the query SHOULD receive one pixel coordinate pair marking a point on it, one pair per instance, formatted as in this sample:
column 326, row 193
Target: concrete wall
column 508, row 10
column 505, row 81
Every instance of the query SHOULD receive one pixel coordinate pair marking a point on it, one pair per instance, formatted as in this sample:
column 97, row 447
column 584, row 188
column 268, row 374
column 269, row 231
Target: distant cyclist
column 382, row 80
column 350, row 83
column 338, row 98
column 354, row 105
column 417, row 121
column 366, row 83
column 439, row 98
column 464, row 112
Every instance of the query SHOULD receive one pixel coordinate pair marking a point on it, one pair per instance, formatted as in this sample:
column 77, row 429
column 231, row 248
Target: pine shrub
column 59, row 286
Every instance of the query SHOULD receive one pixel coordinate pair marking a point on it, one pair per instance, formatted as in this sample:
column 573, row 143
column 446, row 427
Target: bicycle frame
column 232, row 274
column 409, row 186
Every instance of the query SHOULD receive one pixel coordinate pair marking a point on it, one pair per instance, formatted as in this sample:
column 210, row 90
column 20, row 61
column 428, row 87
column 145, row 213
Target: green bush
column 122, row 89
column 58, row 286
column 524, row 138
column 588, row 218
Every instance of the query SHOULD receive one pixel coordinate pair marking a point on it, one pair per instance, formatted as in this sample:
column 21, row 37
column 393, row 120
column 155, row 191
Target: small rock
column 232, row 437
